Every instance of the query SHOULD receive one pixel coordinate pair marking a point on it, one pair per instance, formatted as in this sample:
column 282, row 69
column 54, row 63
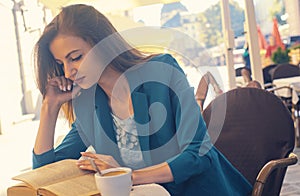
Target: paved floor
column 291, row 183
column 16, row 145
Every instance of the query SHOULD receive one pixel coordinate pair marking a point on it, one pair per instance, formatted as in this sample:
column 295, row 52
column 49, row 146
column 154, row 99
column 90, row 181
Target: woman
column 122, row 116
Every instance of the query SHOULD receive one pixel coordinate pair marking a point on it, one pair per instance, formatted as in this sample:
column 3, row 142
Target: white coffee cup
column 113, row 184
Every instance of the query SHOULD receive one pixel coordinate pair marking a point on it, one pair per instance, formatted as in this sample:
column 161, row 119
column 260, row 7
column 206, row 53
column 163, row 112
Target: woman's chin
column 86, row 85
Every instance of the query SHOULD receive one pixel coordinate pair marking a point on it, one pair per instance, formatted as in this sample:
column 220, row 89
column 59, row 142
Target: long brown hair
column 89, row 24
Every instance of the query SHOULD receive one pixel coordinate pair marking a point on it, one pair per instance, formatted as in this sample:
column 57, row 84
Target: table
column 149, row 189
column 292, row 90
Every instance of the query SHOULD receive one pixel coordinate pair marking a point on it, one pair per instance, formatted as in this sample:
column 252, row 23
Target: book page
column 21, row 189
column 82, row 185
column 86, row 186
column 51, row 173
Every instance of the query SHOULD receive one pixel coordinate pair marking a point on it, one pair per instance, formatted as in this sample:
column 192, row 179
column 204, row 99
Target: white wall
column 293, row 11
column 10, row 83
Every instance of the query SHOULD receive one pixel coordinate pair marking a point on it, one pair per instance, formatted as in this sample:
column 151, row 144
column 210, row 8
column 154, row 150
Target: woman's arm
column 45, row 136
column 160, row 173
column 70, row 148
column 193, row 140
column 58, row 91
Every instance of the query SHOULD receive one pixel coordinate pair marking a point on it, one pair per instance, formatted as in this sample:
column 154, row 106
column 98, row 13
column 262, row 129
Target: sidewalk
column 291, row 182
column 16, row 146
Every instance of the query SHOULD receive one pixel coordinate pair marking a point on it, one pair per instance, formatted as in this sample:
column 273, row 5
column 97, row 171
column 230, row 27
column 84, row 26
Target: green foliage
column 211, row 21
column 281, row 56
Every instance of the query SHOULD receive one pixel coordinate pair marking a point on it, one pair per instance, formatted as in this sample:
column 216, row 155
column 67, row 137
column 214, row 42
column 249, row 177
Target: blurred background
column 22, row 22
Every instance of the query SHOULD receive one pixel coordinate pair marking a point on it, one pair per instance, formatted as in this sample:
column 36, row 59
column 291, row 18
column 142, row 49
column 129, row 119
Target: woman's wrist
column 50, row 106
column 141, row 177
column 45, row 136
column 135, row 178
column 160, row 173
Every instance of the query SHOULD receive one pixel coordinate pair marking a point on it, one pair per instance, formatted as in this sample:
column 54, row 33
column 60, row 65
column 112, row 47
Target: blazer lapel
column 105, row 139
column 141, row 110
column 141, row 117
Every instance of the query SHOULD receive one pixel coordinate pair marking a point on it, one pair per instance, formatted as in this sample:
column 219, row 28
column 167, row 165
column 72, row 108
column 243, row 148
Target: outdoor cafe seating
column 285, row 84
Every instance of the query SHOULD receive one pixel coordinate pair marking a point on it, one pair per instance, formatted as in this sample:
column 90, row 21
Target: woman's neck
column 111, row 81
column 116, row 87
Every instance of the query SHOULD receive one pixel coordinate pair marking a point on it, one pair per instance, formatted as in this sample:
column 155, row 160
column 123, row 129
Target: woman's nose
column 70, row 72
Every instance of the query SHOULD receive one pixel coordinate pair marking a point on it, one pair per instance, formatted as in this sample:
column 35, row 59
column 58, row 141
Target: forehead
column 63, row 44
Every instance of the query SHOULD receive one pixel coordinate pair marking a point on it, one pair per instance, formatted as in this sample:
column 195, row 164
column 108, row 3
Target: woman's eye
column 77, row 58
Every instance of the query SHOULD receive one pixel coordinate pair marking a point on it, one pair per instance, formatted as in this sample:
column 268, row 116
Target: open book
column 65, row 178
column 59, row 178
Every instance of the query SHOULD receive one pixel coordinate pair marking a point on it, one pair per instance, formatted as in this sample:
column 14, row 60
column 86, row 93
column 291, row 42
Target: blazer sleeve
column 70, row 148
column 193, row 140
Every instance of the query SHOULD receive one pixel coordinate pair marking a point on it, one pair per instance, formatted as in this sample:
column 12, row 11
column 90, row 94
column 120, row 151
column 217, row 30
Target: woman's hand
column 101, row 161
column 60, row 90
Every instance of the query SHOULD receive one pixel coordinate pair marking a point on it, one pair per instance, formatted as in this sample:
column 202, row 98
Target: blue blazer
column 170, row 129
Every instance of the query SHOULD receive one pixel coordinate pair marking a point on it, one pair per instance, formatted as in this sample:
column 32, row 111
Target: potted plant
column 281, row 56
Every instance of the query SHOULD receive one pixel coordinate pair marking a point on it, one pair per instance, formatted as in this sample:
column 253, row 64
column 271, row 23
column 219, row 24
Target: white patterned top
column 128, row 142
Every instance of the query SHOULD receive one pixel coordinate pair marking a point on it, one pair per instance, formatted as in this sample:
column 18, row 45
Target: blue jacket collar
column 141, row 116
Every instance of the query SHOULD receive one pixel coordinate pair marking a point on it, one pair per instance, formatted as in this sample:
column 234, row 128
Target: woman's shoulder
column 166, row 59
column 163, row 57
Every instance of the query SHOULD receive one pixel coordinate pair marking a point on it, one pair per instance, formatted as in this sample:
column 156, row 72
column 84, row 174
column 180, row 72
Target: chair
column 202, row 88
column 296, row 117
column 267, row 73
column 255, row 131
column 277, row 71
column 293, row 107
column 285, row 71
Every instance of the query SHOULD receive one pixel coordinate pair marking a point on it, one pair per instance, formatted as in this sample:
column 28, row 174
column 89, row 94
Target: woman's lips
column 79, row 80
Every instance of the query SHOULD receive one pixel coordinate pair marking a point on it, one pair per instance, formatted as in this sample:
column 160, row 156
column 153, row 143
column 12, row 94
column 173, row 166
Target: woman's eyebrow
column 67, row 56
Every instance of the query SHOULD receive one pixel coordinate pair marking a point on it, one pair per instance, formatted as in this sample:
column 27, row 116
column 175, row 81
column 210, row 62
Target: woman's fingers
column 86, row 164
column 69, row 85
column 55, row 82
column 75, row 92
column 102, row 161
column 89, row 154
column 62, row 83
